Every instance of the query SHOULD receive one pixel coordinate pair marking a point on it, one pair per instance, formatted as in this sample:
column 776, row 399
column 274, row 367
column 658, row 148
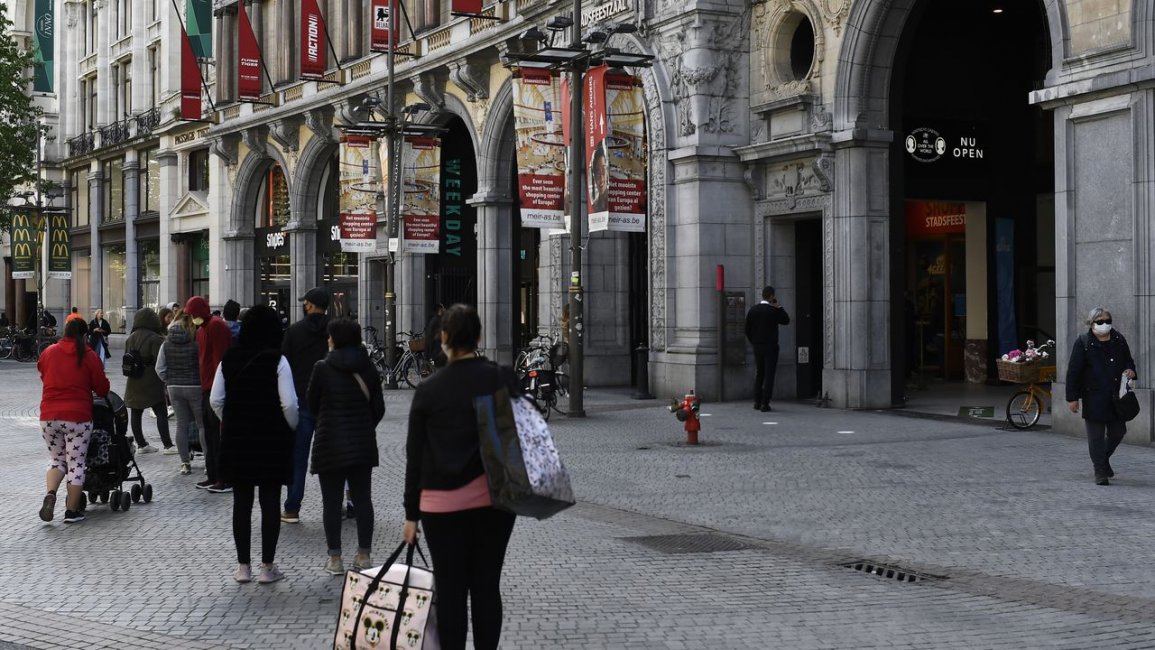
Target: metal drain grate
column 698, row 543
column 889, row 572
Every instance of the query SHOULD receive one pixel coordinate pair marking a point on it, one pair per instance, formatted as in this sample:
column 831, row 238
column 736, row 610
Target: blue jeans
column 305, row 425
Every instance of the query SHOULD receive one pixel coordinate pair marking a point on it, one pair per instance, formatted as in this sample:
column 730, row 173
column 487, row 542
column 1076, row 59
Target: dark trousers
column 1102, row 439
column 467, row 549
column 161, row 413
column 212, row 440
column 765, row 365
column 333, row 504
column 270, row 499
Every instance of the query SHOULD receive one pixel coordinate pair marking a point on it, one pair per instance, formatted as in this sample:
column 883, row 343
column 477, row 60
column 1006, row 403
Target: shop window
column 115, row 269
column 198, row 170
column 80, row 210
column 274, row 199
column 149, row 271
column 113, row 191
column 81, row 280
column 199, row 261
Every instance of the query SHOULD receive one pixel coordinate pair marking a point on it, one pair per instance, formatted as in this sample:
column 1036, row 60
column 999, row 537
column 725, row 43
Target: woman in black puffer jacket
column 345, row 393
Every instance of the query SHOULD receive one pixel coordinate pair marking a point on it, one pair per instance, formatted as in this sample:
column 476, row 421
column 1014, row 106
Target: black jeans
column 161, row 413
column 765, row 365
column 270, row 498
column 1102, row 439
column 333, row 504
column 212, row 439
column 467, row 549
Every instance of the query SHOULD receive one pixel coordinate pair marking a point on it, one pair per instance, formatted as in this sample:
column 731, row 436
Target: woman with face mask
column 1098, row 361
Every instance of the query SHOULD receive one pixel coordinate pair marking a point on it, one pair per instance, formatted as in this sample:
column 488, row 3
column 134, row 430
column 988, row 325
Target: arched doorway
column 451, row 274
column 972, row 169
column 271, row 246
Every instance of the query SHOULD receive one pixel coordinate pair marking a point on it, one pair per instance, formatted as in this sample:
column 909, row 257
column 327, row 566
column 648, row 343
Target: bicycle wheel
column 1023, row 410
column 6, row 347
column 23, row 351
column 411, row 372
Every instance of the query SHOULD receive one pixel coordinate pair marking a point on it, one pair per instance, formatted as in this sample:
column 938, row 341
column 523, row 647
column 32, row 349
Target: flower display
column 1031, row 353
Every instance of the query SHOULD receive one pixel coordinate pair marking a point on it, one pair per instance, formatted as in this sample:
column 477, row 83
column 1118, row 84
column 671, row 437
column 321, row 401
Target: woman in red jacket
column 71, row 372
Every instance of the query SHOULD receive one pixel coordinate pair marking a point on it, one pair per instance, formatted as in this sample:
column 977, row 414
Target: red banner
column 383, row 27
column 625, row 147
column 190, row 80
column 466, row 6
column 249, row 61
column 312, row 41
column 540, row 148
column 597, row 150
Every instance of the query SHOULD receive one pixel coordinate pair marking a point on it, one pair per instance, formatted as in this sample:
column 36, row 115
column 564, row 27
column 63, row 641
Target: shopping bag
column 388, row 607
column 1126, row 403
column 525, row 473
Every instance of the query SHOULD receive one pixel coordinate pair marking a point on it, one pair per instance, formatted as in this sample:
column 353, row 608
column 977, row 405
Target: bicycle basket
column 416, row 345
column 558, row 353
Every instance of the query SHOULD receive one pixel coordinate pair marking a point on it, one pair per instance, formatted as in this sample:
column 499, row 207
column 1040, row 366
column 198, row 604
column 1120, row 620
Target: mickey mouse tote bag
column 388, row 608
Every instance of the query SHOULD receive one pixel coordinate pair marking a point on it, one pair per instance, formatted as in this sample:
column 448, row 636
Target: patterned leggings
column 67, row 447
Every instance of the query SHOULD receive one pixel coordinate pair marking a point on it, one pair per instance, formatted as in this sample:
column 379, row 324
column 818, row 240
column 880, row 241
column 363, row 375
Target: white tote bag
column 388, row 607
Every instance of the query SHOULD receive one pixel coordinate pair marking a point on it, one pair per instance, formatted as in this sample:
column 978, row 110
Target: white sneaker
column 244, row 573
column 169, row 451
column 185, row 469
column 334, row 566
column 146, row 449
column 269, row 573
column 171, row 413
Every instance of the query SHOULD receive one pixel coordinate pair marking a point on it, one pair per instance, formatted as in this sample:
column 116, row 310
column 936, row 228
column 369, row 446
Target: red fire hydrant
column 687, row 411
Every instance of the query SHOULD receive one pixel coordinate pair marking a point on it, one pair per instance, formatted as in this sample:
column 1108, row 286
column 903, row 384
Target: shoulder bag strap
column 363, row 385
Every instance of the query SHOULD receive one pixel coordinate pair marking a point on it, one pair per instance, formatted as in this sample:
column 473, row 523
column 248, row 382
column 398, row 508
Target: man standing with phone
column 762, row 323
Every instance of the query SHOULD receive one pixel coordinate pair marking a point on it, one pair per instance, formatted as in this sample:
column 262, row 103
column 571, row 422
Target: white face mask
column 1105, row 328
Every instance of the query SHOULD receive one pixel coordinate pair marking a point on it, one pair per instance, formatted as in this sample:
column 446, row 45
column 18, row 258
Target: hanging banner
column 312, row 41
column 190, row 80
column 199, row 15
column 382, row 30
column 421, row 194
column 357, row 198
column 24, row 244
column 249, row 61
column 567, row 201
column 466, row 6
column 625, row 148
column 597, row 149
column 45, row 57
column 59, row 248
column 541, row 150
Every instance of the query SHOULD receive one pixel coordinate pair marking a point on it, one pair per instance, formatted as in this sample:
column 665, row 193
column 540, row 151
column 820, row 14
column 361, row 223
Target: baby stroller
column 111, row 460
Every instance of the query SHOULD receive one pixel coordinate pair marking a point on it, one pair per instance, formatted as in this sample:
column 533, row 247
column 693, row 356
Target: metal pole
column 391, row 225
column 576, row 157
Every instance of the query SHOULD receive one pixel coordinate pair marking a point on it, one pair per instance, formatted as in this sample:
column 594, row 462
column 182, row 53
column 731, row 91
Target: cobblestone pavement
column 735, row 544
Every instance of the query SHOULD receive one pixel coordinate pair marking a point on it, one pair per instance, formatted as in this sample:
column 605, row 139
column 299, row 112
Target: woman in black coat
column 345, row 393
column 254, row 397
column 1098, row 361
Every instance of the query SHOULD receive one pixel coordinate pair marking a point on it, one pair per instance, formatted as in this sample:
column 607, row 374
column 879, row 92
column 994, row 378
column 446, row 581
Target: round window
column 792, row 55
column 802, row 49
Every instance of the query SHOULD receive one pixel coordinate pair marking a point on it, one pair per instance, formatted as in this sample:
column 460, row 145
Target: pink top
column 474, row 494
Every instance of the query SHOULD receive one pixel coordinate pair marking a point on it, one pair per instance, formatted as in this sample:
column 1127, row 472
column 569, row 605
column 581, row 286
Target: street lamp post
column 576, row 293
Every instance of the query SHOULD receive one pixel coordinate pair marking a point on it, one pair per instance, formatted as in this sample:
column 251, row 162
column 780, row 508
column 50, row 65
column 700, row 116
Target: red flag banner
column 421, row 194
column 190, row 80
column 597, row 153
column 466, row 6
column 541, row 148
column 312, row 40
column 384, row 27
column 625, row 146
column 249, row 61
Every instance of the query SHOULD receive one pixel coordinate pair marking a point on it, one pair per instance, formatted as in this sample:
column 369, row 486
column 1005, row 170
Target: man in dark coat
column 762, row 323
column 306, row 342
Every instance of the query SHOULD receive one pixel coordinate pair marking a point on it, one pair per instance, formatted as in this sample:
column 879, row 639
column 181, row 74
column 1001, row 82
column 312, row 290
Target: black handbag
column 1127, row 406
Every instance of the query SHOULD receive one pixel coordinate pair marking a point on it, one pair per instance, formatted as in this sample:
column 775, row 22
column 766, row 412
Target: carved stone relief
column 286, row 132
column 320, row 122
column 703, row 94
column 225, row 148
column 255, row 138
column 427, row 87
column 472, row 78
column 791, row 181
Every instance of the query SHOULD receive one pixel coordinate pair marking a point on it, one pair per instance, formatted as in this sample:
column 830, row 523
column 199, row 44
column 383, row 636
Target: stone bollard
column 643, row 390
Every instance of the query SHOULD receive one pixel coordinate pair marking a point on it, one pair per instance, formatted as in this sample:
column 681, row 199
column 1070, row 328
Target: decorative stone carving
column 286, row 132
column 823, row 167
column 425, row 86
column 256, row 139
column 821, row 121
column 751, row 181
column 835, row 13
column 791, row 181
column 226, row 148
column 703, row 94
column 471, row 78
column 773, row 23
column 320, row 122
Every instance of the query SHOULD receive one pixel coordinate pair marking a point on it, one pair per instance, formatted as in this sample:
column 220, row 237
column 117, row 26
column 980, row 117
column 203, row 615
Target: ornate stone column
column 96, row 253
column 131, row 253
column 495, row 286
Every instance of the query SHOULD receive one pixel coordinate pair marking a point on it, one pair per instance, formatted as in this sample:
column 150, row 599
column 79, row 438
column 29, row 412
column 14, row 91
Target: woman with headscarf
column 71, row 373
column 254, row 396
column 1098, row 362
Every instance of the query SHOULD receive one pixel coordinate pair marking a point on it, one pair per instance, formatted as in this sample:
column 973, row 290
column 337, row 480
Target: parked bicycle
column 538, row 369
column 1025, row 406
column 412, row 366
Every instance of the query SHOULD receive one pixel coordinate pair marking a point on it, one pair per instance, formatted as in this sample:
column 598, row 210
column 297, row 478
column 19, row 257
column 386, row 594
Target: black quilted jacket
column 346, row 419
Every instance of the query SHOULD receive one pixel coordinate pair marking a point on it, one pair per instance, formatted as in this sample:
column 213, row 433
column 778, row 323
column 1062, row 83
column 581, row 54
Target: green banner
column 23, row 246
column 45, row 53
column 59, row 248
column 199, row 16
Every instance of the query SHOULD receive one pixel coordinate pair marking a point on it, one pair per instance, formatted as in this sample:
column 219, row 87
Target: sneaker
column 171, row 413
column 169, row 451
column 72, row 517
column 361, row 561
column 202, row 485
column 244, row 573
column 290, row 518
column 220, row 486
column 146, row 449
column 1102, row 480
column 49, row 506
column 185, row 469
column 270, row 573
column 334, row 566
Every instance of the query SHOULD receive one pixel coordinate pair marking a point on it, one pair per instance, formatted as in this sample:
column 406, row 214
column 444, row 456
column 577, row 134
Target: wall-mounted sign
column 927, row 145
column 271, row 241
column 933, row 218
